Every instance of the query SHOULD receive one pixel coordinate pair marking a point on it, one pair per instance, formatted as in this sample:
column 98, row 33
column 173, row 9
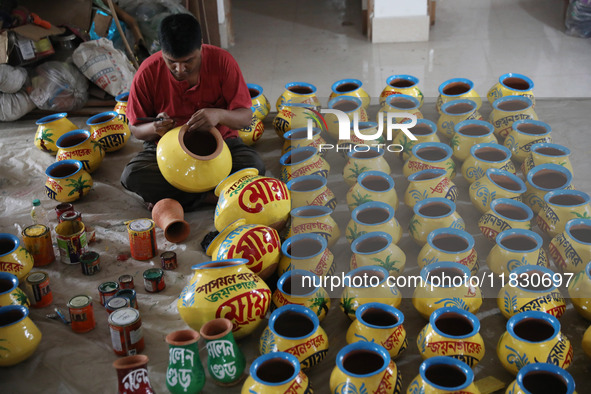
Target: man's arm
column 152, row 131
column 206, row 118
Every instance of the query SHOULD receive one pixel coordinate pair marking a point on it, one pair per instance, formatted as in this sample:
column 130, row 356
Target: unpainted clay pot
column 168, row 214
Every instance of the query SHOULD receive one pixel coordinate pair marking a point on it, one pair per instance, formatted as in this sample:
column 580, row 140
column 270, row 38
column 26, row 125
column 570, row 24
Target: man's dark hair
column 179, row 35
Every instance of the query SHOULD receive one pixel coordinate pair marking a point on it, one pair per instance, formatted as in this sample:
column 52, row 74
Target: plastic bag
column 12, row 79
column 14, row 106
column 105, row 66
column 578, row 18
column 59, row 86
column 113, row 34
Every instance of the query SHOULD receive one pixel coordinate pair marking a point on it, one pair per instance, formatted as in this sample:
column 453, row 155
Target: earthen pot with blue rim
column 543, row 179
column 468, row 133
column 298, row 138
column 306, row 251
column 360, row 133
column 515, row 248
column 311, row 190
column 302, row 287
column 533, row 336
column 302, row 161
column 452, row 332
column 360, row 161
column 401, row 84
column 379, row 323
column 121, row 106
column 443, row 375
column 298, row 92
column 505, row 214
column 424, row 131
column 67, row 181
column 559, row 207
column 428, row 155
column 109, row 130
column 398, row 107
column 352, row 107
column 372, row 186
column 276, row 372
column 378, row 248
column 485, row 156
column 454, row 112
column 49, row 129
column 373, row 216
column 545, row 152
column 430, row 214
column 510, row 109
column 455, row 89
column 511, row 84
column 259, row 102
column 495, row 184
column 295, row 329
column 534, row 288
column 365, row 367
column 314, row 219
column 14, row 258
column 350, row 87
column 19, row 336
column 449, row 244
column 579, row 291
column 524, row 134
column 10, row 294
column 571, row 249
column 429, row 184
column 78, row 145
column 541, row 378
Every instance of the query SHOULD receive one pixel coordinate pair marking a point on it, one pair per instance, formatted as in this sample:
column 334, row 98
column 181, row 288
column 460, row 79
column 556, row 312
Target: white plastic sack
column 59, row 86
column 12, row 79
column 13, row 106
column 105, row 66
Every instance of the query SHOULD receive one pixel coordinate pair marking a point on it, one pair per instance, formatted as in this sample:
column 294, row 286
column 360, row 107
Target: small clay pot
column 168, row 214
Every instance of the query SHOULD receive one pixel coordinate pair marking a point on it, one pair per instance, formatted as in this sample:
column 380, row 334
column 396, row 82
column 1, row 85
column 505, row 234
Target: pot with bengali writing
column 301, row 162
column 253, row 132
column 257, row 199
column 109, row 130
column 67, row 181
column 276, row 372
column 456, row 89
column 296, row 330
column 579, row 291
column 398, row 106
column 298, row 138
column 543, row 179
column 544, row 153
column 524, row 134
column 121, row 106
column 454, row 112
column 559, row 207
column 428, row 184
column 468, row 133
column 495, row 184
column 449, row 244
column 505, row 214
column 508, row 110
column 350, row 87
column 433, row 213
column 511, row 84
column 298, row 92
column 14, row 258
column 443, row 375
column 373, row 216
column 401, row 84
column 259, row 102
column 484, row 156
column 184, row 374
column 515, row 248
column 429, row 155
column 571, row 249
column 424, row 131
column 132, row 375
column 542, row 378
column 352, row 107
column 311, row 190
column 78, row 145
column 259, row 244
column 224, row 288
column 306, row 251
column 314, row 219
column 302, row 287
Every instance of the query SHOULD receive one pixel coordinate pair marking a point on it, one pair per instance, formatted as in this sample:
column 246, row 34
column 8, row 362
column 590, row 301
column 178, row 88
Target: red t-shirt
column 221, row 85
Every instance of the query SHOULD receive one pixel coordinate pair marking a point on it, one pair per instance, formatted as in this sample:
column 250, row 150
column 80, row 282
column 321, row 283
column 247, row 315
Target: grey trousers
column 142, row 175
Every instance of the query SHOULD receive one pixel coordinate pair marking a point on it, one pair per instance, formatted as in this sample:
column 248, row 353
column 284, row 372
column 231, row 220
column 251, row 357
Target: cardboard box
column 26, row 44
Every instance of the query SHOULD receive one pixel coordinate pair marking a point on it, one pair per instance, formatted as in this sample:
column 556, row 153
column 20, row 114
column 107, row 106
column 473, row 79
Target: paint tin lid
column 107, row 287
column 141, row 225
column 117, row 303
column 89, row 257
column 36, row 230
column 69, row 215
column 124, row 317
column 126, row 278
column 153, row 273
column 36, row 277
column 79, row 301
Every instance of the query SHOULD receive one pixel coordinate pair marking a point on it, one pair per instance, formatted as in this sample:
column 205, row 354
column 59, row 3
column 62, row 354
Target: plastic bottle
column 38, row 214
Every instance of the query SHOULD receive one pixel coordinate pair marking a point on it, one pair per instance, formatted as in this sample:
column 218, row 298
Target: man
column 186, row 82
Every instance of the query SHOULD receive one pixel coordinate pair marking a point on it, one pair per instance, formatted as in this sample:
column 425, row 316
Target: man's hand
column 161, row 127
column 205, row 119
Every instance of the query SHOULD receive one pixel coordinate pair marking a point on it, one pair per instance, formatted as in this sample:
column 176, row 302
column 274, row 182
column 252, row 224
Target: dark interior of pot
column 402, row 103
column 459, row 108
column 447, row 275
column 401, row 83
column 5, row 285
column 450, row 242
column 490, row 153
column 373, row 215
column 221, row 264
column 379, row 317
column 549, row 179
column 299, row 134
column 549, row 151
column 347, row 87
column 533, row 330
column 311, row 212
column 300, row 89
column 543, row 382
column 445, row 375
column 211, row 329
column 513, row 105
column 300, row 156
column 421, row 129
column 63, row 170
column 306, row 185
column 375, row 183
column 367, row 275
column 532, row 129
column 505, row 182
column 10, row 317
column 426, row 175
column 369, row 154
column 567, row 200
column 275, row 370
column 253, row 92
column 372, row 244
column 454, row 324
column 73, row 140
column 306, row 247
column 431, row 153
column 200, row 143
column 519, row 242
column 345, row 105
column 362, row 362
column 456, row 88
column 293, row 285
column 474, row 130
column 6, row 245
column 511, row 211
column 517, row 83
column 292, row 324
column 581, row 233
column 189, row 335
column 434, row 209
column 102, row 119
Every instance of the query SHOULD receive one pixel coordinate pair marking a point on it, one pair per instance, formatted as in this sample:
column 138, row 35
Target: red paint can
column 63, row 207
column 142, row 239
column 90, row 263
column 106, row 291
column 168, row 260
column 37, row 240
column 154, row 280
column 38, row 290
column 127, row 337
column 81, row 313
column 126, row 282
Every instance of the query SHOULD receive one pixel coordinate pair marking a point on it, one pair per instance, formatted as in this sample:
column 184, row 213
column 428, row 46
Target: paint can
column 38, row 290
column 127, row 337
column 130, row 295
column 70, row 216
column 126, row 282
column 154, row 280
column 142, row 239
column 90, row 263
column 81, row 313
column 116, row 303
column 37, row 240
column 106, row 291
column 63, row 207
column 168, row 260
column 71, row 241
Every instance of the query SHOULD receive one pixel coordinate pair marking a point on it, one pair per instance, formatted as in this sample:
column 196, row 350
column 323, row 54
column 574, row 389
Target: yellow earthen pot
column 259, row 102
column 456, row 89
column 505, row 214
column 524, row 134
column 276, row 372
column 302, row 287
column 49, row 129
column 571, row 249
column 67, row 181
column 109, row 130
column 401, row 84
column 429, row 184
column 443, row 375
column 511, row 84
column 468, row 133
column 429, row 155
column 377, row 248
column 515, row 248
column 78, row 145
column 372, row 186
column 510, row 109
column 495, row 184
column 433, row 213
column 449, row 244
column 454, row 112
column 298, row 92
column 19, row 335
column 302, row 161
column 350, row 87
column 485, row 156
